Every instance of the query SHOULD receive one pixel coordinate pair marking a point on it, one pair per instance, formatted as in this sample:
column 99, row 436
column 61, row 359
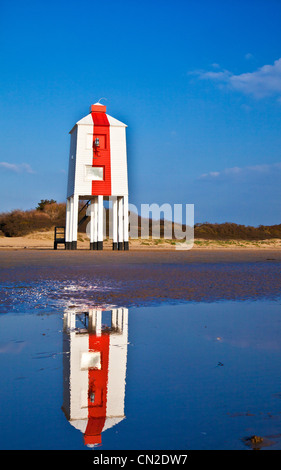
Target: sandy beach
column 45, row 241
column 146, row 275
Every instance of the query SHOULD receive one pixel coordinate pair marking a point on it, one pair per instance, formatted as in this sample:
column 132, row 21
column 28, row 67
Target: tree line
column 50, row 213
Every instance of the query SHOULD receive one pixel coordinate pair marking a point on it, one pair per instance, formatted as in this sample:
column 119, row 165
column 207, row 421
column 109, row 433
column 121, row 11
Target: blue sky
column 197, row 82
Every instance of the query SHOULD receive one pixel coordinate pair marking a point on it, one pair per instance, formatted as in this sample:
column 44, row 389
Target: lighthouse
column 97, row 172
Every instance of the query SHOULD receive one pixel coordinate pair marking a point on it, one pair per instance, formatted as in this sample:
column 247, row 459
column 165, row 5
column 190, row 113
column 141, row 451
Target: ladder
column 59, row 236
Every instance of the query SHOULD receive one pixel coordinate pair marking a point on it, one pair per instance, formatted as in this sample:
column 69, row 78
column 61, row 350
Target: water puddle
column 196, row 375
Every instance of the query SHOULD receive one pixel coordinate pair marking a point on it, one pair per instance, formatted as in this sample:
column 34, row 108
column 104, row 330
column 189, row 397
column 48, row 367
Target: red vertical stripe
column 101, row 156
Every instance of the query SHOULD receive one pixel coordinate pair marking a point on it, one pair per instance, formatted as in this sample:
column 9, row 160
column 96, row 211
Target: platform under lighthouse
column 98, row 172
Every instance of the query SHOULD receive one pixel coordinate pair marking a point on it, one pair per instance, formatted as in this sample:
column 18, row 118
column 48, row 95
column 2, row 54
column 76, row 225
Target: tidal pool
column 188, row 376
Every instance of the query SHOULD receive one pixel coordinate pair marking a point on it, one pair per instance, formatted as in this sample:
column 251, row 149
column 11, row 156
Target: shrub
column 43, row 203
column 18, row 223
column 228, row 231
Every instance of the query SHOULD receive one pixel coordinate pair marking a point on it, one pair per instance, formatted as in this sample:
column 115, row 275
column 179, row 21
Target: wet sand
column 61, row 257
column 140, row 277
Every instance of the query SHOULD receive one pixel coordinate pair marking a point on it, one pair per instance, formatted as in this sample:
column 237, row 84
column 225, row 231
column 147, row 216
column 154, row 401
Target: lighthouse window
column 94, row 173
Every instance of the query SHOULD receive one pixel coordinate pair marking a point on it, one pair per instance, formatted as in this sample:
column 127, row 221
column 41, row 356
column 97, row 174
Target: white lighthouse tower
column 97, row 172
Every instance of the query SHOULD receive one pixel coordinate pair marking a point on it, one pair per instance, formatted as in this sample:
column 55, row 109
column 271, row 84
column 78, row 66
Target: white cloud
column 249, row 56
column 265, row 81
column 241, row 171
column 17, row 168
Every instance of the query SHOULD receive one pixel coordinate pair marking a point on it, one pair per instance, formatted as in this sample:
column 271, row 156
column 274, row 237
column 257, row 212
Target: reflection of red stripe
column 98, row 379
column 102, row 157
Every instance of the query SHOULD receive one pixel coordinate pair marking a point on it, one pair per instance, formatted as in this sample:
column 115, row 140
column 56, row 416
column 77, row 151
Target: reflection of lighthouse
column 94, row 369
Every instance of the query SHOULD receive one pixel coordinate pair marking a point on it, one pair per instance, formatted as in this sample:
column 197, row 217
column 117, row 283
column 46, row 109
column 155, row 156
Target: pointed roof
column 88, row 120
